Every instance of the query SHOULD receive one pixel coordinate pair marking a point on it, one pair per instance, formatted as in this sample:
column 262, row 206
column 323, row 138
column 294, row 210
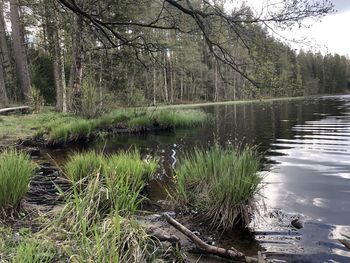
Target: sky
column 331, row 34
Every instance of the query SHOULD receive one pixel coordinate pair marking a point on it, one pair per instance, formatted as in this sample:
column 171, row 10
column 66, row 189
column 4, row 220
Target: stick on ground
column 222, row 252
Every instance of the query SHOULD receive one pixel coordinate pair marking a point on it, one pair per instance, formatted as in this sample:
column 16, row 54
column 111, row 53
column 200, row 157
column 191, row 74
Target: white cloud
column 328, row 35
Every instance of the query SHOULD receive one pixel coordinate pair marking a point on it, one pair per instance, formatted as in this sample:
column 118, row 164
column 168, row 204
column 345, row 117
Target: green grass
column 180, row 118
column 34, row 251
column 14, row 127
column 220, row 184
column 97, row 218
column 123, row 176
column 136, row 119
column 170, row 118
column 81, row 165
column 16, row 171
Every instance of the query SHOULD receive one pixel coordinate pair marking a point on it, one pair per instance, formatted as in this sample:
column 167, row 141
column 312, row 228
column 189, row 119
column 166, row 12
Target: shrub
column 36, row 100
column 220, row 184
column 16, row 171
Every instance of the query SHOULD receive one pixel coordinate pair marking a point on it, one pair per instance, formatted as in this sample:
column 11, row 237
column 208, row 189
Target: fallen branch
column 206, row 248
column 22, row 109
column 162, row 236
column 345, row 242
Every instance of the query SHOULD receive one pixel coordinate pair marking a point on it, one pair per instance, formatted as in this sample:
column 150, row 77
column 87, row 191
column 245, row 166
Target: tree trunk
column 3, row 94
column 19, row 51
column 5, row 54
column 166, row 96
column 76, row 71
column 154, row 85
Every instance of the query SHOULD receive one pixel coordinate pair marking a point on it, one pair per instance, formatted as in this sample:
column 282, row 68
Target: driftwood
column 14, row 109
column 206, row 248
column 345, row 242
column 162, row 236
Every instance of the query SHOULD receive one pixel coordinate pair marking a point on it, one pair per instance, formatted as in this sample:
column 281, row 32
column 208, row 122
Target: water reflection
column 306, row 150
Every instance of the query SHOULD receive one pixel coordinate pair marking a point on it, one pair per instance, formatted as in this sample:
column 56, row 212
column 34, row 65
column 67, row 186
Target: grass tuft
column 16, row 171
column 220, row 184
column 123, row 176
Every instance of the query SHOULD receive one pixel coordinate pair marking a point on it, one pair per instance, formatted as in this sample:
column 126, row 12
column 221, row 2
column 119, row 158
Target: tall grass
column 80, row 128
column 220, row 184
column 82, row 165
column 91, row 220
column 123, row 176
column 16, row 171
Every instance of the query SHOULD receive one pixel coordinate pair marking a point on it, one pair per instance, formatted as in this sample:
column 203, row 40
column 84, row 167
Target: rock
column 297, row 223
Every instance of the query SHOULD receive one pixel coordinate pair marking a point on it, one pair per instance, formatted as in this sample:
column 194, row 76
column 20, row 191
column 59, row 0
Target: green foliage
column 41, row 74
column 220, row 184
column 16, row 171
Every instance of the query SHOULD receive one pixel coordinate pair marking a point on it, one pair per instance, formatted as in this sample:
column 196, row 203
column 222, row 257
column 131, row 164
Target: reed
column 220, row 184
column 16, row 171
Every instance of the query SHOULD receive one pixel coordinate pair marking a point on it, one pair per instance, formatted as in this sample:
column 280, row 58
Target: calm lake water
column 306, row 148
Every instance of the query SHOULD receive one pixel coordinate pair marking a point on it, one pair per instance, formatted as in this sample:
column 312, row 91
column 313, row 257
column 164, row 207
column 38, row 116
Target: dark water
column 306, row 146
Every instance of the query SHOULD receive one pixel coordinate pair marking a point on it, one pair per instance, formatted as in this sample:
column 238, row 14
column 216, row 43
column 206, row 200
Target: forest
column 152, row 53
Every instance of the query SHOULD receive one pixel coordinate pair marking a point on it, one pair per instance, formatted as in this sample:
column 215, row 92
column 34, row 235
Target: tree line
column 92, row 53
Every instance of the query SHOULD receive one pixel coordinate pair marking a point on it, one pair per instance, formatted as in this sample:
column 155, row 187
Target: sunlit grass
column 16, row 171
column 97, row 218
column 220, row 184
column 123, row 175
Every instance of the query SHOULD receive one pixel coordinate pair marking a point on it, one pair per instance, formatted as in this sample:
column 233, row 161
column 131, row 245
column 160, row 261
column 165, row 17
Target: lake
column 306, row 148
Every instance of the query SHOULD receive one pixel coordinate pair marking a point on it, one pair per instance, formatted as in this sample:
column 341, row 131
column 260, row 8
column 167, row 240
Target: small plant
column 16, row 171
column 220, row 184
column 89, row 100
column 37, row 101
